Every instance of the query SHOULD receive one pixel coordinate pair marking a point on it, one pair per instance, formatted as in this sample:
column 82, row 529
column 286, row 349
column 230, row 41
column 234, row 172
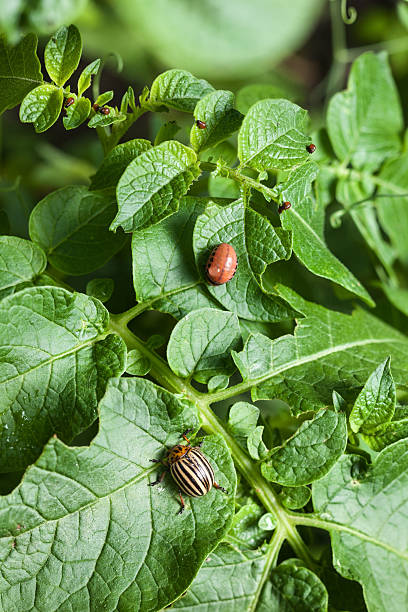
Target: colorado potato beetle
column 222, row 264
column 311, row 148
column 284, row 206
column 201, row 124
column 190, row 469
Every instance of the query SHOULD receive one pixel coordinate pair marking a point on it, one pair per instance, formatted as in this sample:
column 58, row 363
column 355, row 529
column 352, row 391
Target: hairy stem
column 165, row 377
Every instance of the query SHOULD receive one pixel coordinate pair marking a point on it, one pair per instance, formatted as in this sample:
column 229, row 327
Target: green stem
column 269, row 193
column 165, row 377
column 270, row 562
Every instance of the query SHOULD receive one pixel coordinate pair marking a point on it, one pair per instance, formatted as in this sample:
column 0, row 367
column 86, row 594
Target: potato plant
column 316, row 513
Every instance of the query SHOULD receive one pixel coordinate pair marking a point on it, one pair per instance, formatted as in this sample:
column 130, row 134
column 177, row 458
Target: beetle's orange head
column 177, row 452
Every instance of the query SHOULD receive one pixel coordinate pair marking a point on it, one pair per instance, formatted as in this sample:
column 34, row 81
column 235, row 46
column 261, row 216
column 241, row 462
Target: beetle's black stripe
column 193, row 473
column 187, row 480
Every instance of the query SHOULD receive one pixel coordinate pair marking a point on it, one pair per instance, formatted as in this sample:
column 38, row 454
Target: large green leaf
column 90, row 534
column 164, row 270
column 310, row 453
column 329, row 350
column 71, row 225
column 55, row 359
column 364, row 121
column 21, row 262
column 42, row 106
column 272, row 135
column 151, row 186
column 20, row 71
column 369, row 506
column 62, row 54
column 257, row 243
column 221, row 120
column 393, row 210
column 232, row 40
column 200, row 344
column 228, row 581
column 293, row 588
column 375, row 403
column 178, row 89
column 115, row 163
column 308, row 242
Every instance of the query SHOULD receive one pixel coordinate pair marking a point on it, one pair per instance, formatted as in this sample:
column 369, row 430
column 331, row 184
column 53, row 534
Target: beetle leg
column 183, row 505
column 217, row 486
column 158, row 481
column 184, row 435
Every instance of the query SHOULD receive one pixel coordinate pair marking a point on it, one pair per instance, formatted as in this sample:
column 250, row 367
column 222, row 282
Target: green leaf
column 77, row 113
column 42, row 106
column 329, row 350
column 100, row 120
column 21, row 262
column 248, row 95
column 55, row 360
column 85, row 77
column 245, row 526
column 217, row 383
column 397, row 296
column 178, row 89
column 392, row 210
column 115, row 163
column 20, row 71
column 310, row 453
column 62, row 54
column 87, row 513
column 255, row 445
column 71, row 225
column 217, row 111
column 268, row 522
column 295, row 498
column 386, row 435
column 166, row 132
column 151, row 186
column 257, row 243
column 200, row 344
column 100, row 288
column 368, row 508
column 242, row 420
column 104, row 97
column 137, row 364
column 365, row 120
column 293, row 588
column 164, row 270
column 375, row 404
column 228, row 581
column 272, row 135
column 308, row 242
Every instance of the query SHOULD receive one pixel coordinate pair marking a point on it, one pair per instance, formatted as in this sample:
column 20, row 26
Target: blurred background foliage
column 299, row 49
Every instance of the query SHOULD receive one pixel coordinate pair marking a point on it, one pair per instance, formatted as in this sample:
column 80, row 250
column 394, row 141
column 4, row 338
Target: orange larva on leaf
column 69, row 102
column 222, row 264
column 311, row 148
column 201, row 124
column 284, row 206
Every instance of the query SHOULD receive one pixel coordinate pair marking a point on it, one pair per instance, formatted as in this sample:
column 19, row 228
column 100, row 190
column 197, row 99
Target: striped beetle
column 190, row 469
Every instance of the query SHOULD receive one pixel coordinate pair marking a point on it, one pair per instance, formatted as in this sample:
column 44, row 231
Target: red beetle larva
column 222, row 264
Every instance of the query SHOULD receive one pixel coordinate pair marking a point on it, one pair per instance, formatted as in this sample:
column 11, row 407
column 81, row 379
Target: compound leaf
column 368, row 506
column 55, row 359
column 87, row 514
column 21, row 262
column 310, row 453
column 20, row 71
column 151, row 186
column 200, row 344
column 257, row 243
column 272, row 135
column 71, row 225
column 178, row 89
column 62, row 54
